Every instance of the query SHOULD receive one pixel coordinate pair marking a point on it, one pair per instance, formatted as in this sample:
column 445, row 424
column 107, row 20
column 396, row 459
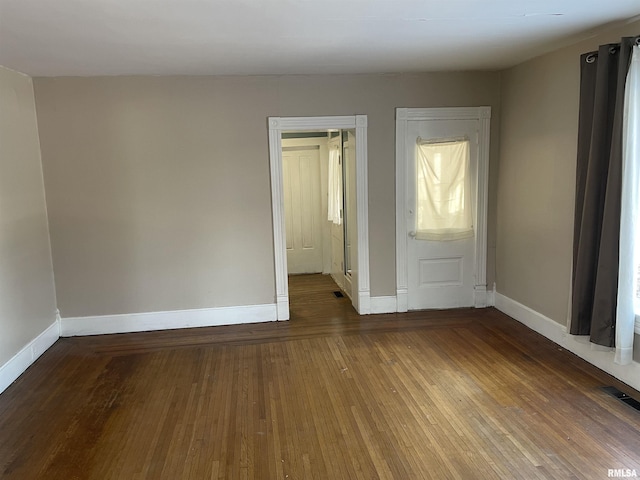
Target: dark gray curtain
column 598, row 191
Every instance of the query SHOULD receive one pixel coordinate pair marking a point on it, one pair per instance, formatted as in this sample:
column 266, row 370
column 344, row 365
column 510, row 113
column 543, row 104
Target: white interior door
column 303, row 209
column 440, row 258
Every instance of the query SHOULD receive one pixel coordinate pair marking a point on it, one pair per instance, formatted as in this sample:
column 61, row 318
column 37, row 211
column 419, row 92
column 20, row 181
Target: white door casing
column 342, row 235
column 350, row 205
column 337, row 231
column 443, row 271
column 361, row 296
column 303, row 209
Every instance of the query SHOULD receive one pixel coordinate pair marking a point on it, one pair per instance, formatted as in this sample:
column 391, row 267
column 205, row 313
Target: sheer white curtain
column 335, row 187
column 443, row 200
column 628, row 281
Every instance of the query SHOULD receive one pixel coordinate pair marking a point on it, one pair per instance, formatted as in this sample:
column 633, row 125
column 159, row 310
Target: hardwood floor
column 467, row 394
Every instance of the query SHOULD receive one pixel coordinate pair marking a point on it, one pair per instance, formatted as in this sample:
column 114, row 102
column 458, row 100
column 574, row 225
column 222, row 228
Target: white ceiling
column 222, row 37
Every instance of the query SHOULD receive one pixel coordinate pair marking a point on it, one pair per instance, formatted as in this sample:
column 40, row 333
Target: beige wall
column 27, row 295
column 536, row 184
column 158, row 188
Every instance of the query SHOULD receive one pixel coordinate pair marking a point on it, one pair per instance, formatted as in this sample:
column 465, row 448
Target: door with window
column 441, row 183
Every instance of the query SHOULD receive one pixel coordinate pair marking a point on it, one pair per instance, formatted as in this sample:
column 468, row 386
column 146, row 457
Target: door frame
column 403, row 117
column 361, row 296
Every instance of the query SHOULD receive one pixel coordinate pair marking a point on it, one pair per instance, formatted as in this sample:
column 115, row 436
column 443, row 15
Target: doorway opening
column 319, row 207
column 326, row 234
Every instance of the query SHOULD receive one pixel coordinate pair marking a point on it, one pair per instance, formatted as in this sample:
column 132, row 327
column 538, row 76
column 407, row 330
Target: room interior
column 133, row 203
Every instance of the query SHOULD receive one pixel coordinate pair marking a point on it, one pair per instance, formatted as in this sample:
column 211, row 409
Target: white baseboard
column 364, row 302
column 385, row 304
column 491, row 297
column 143, row 322
column 282, row 307
column 480, row 296
column 338, row 279
column 398, row 303
column 402, row 300
column 629, row 374
column 22, row 360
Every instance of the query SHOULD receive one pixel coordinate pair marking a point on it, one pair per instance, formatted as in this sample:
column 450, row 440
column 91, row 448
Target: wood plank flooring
column 461, row 394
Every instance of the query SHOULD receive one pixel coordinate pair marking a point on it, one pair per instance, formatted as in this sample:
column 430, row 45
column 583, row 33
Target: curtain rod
column 591, row 57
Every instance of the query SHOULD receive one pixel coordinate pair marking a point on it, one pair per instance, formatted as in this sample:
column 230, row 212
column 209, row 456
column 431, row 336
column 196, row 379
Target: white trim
column 491, row 296
column 22, row 360
column 444, row 113
column 629, row 374
column 402, row 295
column 482, row 196
column 483, row 297
column 360, row 272
column 348, row 286
column 403, row 116
column 339, row 279
column 148, row 321
column 386, row 304
column 480, row 296
column 277, row 125
column 277, row 216
column 402, row 273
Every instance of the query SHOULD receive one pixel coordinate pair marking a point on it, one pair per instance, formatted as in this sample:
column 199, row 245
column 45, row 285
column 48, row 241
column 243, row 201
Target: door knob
column 412, row 234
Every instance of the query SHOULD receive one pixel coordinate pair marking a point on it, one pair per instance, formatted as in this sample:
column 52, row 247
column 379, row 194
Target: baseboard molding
column 385, row 304
column 480, row 296
column 22, row 360
column 629, row 374
column 364, row 302
column 143, row 322
column 402, row 300
column 338, row 279
column 399, row 302
column 491, row 297
column 282, row 307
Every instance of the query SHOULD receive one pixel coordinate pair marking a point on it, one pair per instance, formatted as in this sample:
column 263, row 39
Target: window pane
column 443, row 210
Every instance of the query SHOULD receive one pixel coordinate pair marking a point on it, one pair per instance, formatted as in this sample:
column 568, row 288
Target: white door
column 441, row 180
column 303, row 209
